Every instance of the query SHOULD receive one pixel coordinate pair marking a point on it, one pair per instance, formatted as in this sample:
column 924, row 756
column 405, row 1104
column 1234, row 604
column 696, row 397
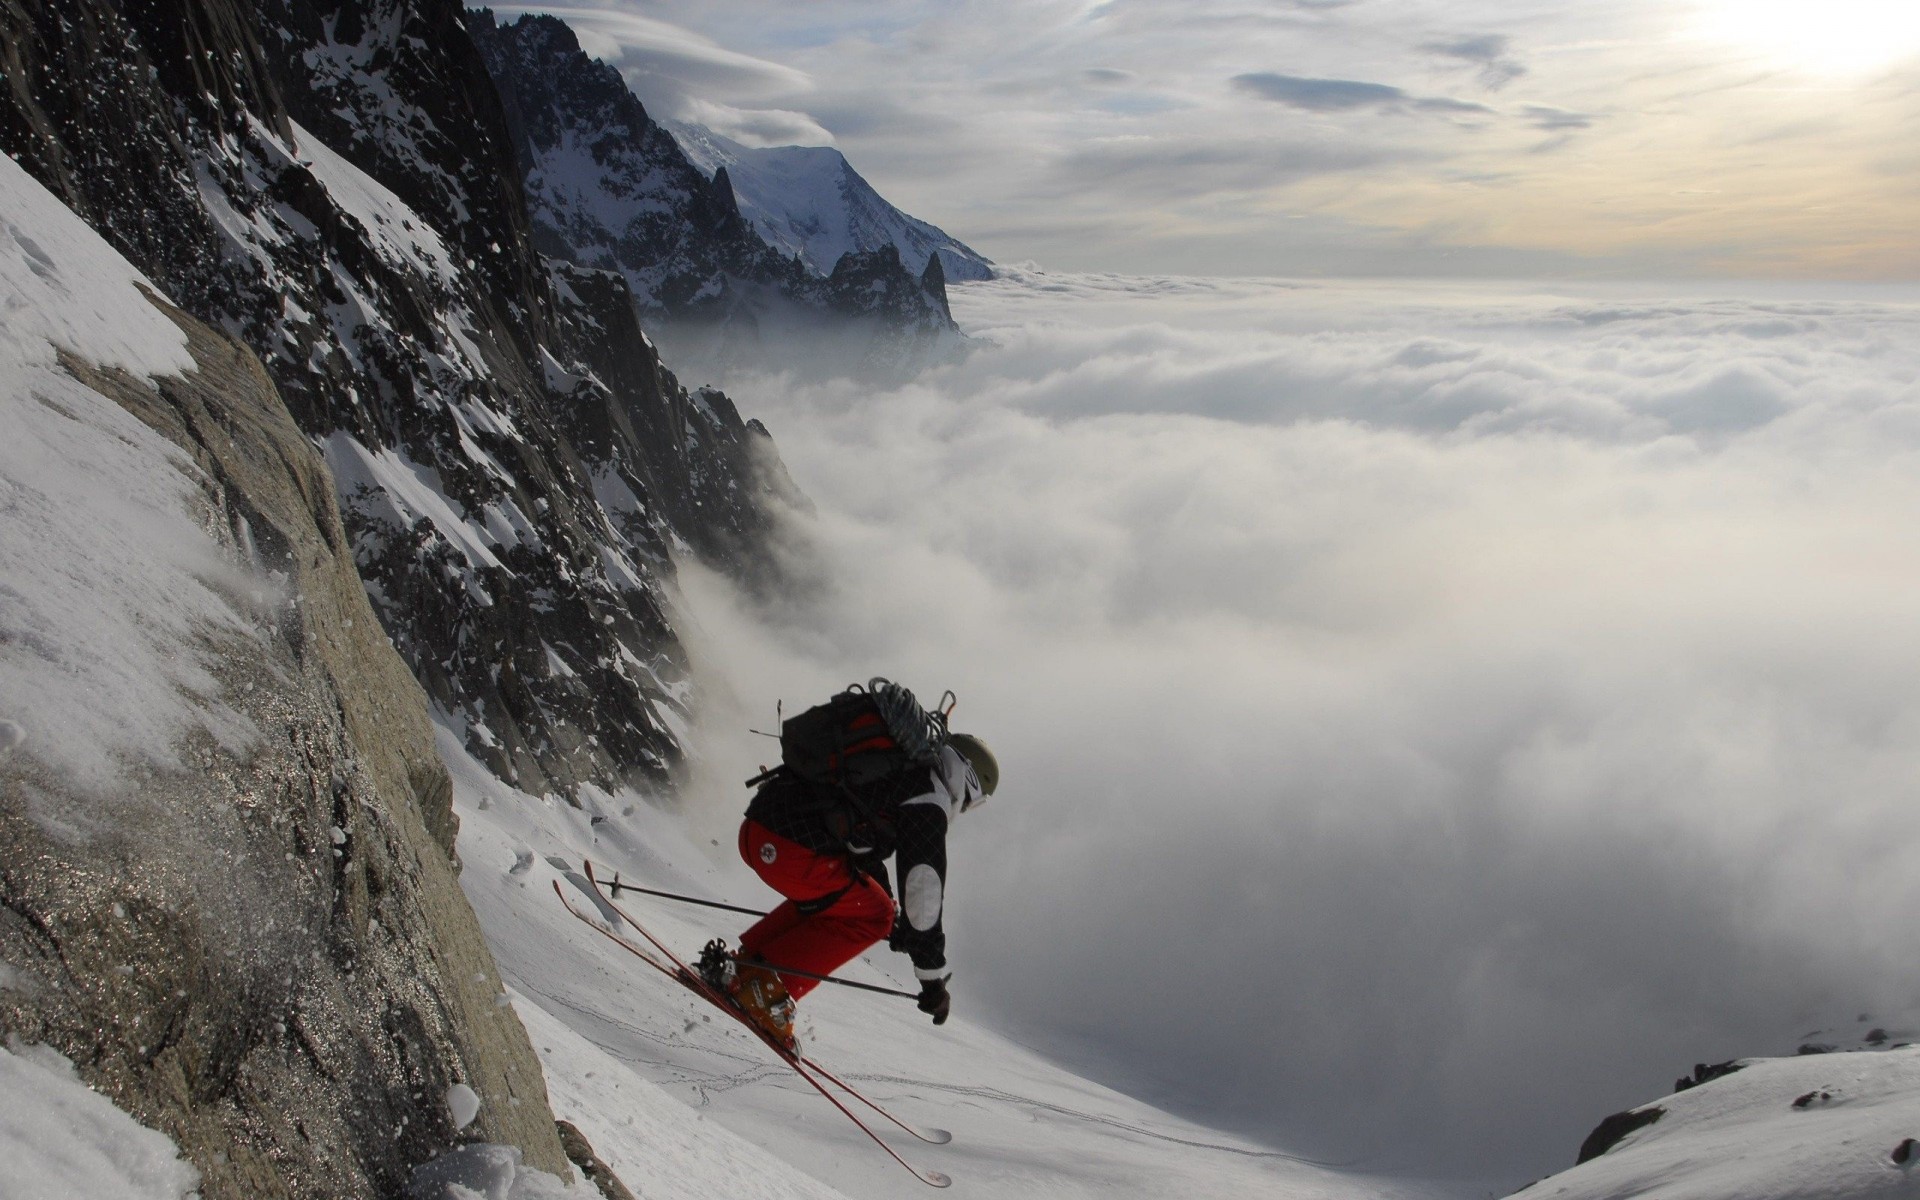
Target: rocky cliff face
column 446, row 471
column 260, row 948
column 608, row 186
column 334, row 182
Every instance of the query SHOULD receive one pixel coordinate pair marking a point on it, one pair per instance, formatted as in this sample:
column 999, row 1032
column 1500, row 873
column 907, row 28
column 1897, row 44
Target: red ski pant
column 809, row 939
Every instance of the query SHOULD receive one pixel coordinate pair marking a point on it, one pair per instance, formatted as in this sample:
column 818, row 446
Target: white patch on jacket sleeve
column 938, row 793
column 921, row 892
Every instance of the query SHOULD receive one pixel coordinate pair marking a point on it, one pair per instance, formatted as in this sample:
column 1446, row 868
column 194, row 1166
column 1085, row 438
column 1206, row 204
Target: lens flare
column 1827, row 37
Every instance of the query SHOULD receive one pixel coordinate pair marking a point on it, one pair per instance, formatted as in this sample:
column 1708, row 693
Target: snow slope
column 682, row 1102
column 1743, row 1135
column 808, row 200
column 101, row 654
column 117, row 608
column 60, row 1139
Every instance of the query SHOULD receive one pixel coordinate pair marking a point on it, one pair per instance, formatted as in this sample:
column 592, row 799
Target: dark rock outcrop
column 1707, row 1073
column 933, row 281
column 1612, row 1131
column 265, row 953
column 601, row 1176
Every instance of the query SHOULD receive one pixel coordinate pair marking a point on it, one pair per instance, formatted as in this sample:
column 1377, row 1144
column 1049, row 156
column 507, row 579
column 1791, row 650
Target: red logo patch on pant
column 768, row 853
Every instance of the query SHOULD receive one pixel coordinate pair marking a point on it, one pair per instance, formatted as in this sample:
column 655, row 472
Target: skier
column 825, row 848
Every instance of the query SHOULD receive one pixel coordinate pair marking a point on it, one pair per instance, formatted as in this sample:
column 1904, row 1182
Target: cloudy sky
column 1435, row 713
column 1517, row 138
column 1433, row 717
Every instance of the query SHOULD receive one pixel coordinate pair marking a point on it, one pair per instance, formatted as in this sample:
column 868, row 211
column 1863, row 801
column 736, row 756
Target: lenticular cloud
column 1431, row 719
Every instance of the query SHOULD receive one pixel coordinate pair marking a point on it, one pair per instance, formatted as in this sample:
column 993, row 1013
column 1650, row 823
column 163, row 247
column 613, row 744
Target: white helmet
column 975, row 751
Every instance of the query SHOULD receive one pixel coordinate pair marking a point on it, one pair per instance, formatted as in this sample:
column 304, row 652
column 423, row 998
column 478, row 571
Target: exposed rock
column 934, row 281
column 597, row 1172
column 266, row 955
column 1704, row 1073
column 1610, row 1132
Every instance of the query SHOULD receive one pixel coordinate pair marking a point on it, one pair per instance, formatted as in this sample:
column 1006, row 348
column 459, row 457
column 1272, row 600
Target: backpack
column 859, row 738
column 851, row 759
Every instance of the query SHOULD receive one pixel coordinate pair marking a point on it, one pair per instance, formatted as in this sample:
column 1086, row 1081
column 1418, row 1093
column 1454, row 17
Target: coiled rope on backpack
column 919, row 733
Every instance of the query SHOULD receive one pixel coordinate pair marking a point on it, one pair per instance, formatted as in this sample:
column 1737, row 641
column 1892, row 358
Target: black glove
column 935, row 1000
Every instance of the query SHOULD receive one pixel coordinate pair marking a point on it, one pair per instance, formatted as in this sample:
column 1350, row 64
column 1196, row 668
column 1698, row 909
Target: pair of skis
column 676, row 969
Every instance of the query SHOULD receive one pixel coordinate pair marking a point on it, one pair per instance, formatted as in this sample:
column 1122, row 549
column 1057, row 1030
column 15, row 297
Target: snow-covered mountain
column 609, row 187
column 1826, row 1125
column 809, row 201
column 335, row 182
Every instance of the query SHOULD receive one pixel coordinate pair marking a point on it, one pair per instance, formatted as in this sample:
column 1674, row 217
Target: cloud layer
column 1430, row 720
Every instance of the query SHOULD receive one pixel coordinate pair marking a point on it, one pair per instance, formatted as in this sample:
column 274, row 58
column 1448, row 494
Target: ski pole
column 618, row 887
column 777, row 969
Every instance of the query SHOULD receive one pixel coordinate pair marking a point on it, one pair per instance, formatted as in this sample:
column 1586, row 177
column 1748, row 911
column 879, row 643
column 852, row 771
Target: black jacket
column 905, row 819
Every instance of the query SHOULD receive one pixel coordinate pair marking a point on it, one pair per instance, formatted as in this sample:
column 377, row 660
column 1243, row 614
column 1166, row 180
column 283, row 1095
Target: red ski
column 692, row 981
column 677, row 969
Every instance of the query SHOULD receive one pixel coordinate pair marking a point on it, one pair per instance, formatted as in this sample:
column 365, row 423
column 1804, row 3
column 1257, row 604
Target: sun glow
column 1830, row 37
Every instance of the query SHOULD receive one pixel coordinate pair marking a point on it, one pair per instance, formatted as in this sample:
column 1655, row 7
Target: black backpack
column 859, row 738
column 845, row 766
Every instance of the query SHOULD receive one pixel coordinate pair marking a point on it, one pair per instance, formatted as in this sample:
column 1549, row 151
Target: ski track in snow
column 1005, row 1097
column 707, row 1085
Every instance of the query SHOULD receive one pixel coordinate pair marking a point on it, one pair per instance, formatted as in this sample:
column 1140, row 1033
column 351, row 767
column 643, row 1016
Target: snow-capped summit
column 608, row 187
column 808, row 200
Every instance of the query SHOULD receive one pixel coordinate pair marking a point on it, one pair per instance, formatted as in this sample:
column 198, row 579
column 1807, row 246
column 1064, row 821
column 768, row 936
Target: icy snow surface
column 398, row 233
column 485, row 1171
column 61, row 1140
column 682, row 1102
column 1742, row 1136
column 389, row 485
column 60, row 285
column 809, row 200
column 103, row 648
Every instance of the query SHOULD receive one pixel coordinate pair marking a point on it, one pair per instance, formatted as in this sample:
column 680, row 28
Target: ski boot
column 715, row 965
column 761, row 995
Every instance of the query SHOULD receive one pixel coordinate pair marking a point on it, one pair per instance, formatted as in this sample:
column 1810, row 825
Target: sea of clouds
column 1432, row 717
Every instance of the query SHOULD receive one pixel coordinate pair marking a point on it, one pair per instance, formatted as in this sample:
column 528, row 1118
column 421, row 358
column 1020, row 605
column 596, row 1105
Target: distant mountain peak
column 608, row 186
column 809, row 201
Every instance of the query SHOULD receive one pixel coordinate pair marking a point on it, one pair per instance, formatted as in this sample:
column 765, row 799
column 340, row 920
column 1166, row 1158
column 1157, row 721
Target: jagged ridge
column 608, row 186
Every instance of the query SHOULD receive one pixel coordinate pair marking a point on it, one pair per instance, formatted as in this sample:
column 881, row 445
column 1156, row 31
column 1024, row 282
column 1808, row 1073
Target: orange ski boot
column 760, row 994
